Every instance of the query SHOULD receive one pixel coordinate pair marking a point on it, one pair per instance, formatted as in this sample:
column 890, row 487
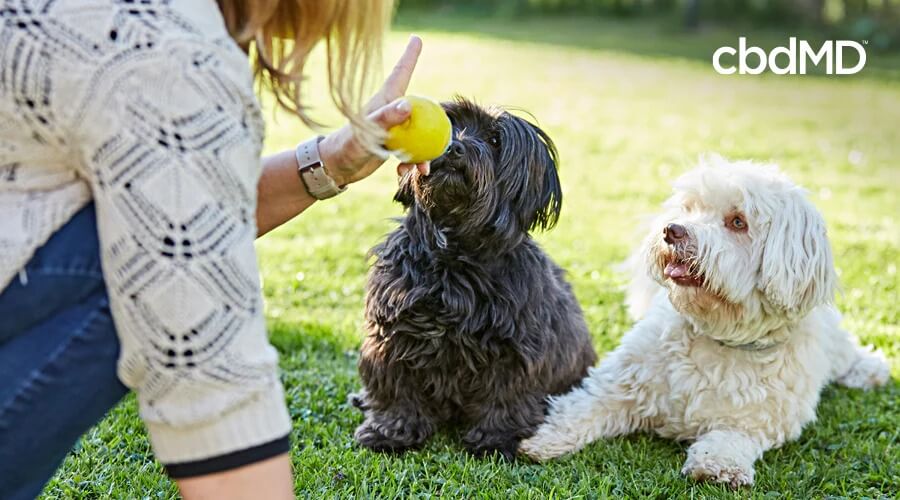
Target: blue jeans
column 58, row 351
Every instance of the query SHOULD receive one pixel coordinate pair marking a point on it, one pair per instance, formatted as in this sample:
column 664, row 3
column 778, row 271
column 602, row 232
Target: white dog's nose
column 673, row 233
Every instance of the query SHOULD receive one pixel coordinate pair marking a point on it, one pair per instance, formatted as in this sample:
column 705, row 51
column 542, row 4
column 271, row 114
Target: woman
column 130, row 137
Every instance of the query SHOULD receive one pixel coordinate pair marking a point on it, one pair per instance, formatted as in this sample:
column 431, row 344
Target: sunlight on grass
column 626, row 124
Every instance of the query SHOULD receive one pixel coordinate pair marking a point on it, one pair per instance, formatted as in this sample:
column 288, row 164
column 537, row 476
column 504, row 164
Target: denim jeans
column 58, row 351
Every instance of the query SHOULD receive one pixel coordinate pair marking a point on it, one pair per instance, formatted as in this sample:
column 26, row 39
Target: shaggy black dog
column 468, row 321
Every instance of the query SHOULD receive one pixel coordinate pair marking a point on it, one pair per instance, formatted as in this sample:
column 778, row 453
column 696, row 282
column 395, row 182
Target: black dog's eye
column 494, row 140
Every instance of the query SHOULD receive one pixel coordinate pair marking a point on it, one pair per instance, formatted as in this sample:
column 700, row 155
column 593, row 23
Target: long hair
column 284, row 32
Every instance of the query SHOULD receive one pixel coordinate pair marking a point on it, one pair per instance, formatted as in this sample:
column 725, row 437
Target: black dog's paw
column 486, row 445
column 506, row 450
column 394, row 438
column 369, row 436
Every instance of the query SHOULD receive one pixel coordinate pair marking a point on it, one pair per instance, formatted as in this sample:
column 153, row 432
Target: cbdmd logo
column 831, row 53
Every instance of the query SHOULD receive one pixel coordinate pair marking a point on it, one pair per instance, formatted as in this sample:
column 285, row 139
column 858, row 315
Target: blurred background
column 875, row 20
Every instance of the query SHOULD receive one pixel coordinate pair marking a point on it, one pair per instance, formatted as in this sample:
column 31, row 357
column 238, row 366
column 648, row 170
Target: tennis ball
column 425, row 135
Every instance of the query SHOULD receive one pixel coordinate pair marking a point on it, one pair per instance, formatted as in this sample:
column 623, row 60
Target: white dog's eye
column 736, row 223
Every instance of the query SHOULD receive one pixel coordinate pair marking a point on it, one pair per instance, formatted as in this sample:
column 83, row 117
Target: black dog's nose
column 674, row 233
column 456, row 150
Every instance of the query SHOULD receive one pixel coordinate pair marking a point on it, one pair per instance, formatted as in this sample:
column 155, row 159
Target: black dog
column 468, row 321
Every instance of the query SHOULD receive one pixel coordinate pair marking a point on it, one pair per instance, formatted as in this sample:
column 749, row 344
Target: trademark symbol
column 865, row 42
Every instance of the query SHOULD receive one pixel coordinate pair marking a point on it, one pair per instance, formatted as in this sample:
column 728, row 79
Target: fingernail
column 404, row 106
column 426, row 169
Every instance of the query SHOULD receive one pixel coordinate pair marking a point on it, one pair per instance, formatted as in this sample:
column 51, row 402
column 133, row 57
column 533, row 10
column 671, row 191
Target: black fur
column 468, row 321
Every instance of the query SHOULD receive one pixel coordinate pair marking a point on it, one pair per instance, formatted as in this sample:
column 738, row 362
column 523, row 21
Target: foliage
column 877, row 20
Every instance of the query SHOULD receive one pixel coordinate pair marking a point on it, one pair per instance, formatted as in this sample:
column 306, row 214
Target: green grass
column 630, row 106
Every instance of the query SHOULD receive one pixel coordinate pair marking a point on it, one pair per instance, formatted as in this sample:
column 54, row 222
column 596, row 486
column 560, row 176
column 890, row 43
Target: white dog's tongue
column 676, row 270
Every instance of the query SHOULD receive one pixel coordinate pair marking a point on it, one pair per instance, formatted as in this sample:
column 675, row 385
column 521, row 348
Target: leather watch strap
column 312, row 171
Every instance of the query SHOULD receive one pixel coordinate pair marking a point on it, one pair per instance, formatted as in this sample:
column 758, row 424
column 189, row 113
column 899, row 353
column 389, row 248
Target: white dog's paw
column 718, row 469
column 870, row 370
column 538, row 448
column 724, row 457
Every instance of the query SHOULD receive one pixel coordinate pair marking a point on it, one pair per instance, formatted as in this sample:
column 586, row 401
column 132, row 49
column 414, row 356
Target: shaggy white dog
column 736, row 334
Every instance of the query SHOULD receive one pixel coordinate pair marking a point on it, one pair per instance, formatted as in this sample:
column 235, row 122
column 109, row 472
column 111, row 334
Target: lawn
column 630, row 106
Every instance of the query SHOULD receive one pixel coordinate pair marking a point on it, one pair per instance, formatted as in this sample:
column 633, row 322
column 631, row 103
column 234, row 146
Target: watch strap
column 312, row 171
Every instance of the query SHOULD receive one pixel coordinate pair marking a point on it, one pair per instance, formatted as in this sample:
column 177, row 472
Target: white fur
column 738, row 364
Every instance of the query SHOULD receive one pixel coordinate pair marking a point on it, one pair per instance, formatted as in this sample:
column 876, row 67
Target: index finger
column 398, row 81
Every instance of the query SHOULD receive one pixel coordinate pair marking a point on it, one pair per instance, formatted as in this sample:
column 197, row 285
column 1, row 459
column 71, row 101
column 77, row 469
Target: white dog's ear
column 797, row 271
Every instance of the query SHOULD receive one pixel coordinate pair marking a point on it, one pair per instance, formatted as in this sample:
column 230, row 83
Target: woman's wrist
column 316, row 178
column 332, row 161
column 281, row 191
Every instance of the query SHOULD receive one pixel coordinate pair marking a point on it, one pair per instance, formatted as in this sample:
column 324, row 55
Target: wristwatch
column 312, row 171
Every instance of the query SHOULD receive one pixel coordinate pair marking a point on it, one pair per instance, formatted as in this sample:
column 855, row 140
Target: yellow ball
column 425, row 135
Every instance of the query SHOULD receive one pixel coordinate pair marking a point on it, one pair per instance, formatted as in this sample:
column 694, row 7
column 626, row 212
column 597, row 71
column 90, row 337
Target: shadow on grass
column 648, row 37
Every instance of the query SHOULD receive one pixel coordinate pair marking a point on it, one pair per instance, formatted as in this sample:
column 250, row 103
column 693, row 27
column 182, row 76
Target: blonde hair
column 284, row 32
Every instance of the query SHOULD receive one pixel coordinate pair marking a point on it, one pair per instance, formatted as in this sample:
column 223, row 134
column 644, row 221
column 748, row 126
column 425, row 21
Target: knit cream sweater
column 147, row 108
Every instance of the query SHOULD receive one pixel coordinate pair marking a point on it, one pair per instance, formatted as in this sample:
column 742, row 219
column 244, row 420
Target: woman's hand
column 281, row 194
column 345, row 159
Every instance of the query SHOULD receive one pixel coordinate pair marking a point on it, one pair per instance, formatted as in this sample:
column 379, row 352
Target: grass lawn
column 630, row 106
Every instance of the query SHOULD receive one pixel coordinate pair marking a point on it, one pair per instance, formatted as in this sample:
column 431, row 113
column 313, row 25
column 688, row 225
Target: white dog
column 737, row 335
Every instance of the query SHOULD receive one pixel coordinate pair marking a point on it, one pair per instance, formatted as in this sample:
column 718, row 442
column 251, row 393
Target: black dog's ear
column 405, row 193
column 530, row 184
column 546, row 160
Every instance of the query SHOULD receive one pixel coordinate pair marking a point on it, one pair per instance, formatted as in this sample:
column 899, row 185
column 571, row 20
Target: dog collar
column 754, row 346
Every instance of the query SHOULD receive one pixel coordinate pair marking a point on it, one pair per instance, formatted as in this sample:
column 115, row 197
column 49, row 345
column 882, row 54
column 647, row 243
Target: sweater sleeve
column 169, row 135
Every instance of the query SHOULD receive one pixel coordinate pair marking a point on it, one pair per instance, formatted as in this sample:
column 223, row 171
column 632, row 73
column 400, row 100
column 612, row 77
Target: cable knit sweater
column 147, row 108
